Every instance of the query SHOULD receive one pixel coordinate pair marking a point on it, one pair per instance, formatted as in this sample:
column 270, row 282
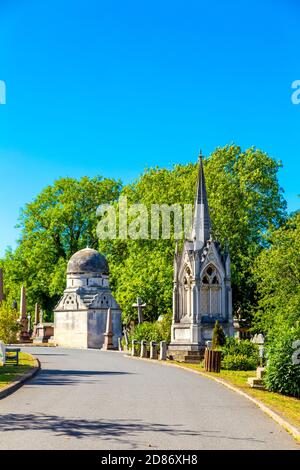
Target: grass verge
column 11, row 373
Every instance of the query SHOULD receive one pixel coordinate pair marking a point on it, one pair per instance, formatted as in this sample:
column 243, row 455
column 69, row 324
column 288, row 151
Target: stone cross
column 108, row 344
column 1, row 286
column 139, row 305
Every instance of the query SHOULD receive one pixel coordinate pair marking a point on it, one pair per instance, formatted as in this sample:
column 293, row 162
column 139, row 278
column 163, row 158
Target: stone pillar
column 163, row 351
column 175, row 304
column 108, row 343
column 23, row 320
column 133, row 347
column 126, row 338
column 1, row 286
column 36, row 319
column 153, row 350
column 143, row 348
column 36, row 314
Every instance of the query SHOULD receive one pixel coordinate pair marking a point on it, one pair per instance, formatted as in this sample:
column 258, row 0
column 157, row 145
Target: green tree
column 283, row 367
column 8, row 323
column 218, row 336
column 277, row 274
column 245, row 202
column 60, row 221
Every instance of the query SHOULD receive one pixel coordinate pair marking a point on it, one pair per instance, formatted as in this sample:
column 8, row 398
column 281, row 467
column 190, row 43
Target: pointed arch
column 210, row 291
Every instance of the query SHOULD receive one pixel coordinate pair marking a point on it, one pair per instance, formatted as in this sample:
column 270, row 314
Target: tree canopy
column 246, row 203
column 277, row 274
column 57, row 223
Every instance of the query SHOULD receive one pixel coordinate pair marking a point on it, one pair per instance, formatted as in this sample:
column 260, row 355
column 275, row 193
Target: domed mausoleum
column 80, row 315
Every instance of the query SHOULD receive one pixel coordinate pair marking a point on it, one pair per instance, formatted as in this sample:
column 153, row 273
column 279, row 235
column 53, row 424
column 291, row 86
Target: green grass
column 287, row 407
column 9, row 373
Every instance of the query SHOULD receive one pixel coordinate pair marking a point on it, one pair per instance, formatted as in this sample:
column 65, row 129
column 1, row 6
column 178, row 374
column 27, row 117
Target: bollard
column 153, row 350
column 120, row 344
column 133, row 348
column 143, row 348
column 163, row 351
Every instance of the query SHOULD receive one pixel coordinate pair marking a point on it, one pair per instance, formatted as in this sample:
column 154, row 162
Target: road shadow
column 69, row 377
column 123, row 431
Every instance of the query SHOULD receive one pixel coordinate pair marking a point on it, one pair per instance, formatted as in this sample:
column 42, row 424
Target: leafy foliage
column 283, row 374
column 233, row 346
column 8, row 323
column 277, row 273
column 239, row 355
column 245, row 201
column 60, row 221
column 238, row 362
column 155, row 331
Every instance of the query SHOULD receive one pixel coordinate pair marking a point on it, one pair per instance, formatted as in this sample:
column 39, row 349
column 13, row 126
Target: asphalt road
column 87, row 399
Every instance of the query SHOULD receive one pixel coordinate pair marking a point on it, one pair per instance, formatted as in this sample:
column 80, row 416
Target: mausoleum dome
column 87, row 261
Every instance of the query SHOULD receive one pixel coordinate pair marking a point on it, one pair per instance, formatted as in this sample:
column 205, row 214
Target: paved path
column 94, row 400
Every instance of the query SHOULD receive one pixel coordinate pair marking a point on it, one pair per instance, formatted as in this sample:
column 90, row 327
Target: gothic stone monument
column 202, row 287
column 81, row 314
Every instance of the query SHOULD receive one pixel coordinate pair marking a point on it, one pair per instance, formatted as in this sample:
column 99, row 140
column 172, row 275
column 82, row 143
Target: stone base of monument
column 108, row 342
column 184, row 355
column 257, row 382
column 43, row 333
column 24, row 337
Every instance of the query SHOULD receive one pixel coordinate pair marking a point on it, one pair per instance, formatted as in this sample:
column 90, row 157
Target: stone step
column 254, row 382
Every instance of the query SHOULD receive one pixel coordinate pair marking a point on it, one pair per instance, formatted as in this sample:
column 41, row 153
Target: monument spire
column 201, row 222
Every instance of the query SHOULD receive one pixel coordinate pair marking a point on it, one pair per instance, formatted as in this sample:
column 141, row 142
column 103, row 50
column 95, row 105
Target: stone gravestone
column 108, row 335
column 24, row 335
column 36, row 320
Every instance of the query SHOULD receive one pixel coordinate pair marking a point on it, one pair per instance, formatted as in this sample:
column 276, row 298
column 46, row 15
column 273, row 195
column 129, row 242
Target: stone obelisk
column 23, row 320
column 36, row 319
column 108, row 344
column 1, row 286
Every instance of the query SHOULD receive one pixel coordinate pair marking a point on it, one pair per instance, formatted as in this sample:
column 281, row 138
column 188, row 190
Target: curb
column 295, row 432
column 14, row 386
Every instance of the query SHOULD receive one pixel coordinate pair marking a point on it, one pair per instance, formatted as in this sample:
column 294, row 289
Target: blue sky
column 111, row 87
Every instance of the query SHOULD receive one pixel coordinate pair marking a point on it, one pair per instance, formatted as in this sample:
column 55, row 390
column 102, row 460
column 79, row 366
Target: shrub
column 239, row 362
column 244, row 347
column 164, row 326
column 156, row 331
column 8, row 323
column 218, row 336
column 239, row 355
column 147, row 331
column 283, row 374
